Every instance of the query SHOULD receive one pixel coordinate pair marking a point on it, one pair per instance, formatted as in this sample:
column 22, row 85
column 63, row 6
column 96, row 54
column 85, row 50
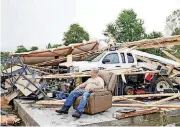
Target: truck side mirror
column 105, row 61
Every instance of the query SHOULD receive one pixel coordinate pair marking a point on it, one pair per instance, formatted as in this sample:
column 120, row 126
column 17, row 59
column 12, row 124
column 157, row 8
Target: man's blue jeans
column 72, row 97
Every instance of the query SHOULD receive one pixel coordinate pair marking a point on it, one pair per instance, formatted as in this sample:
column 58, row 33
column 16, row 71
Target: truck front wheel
column 162, row 83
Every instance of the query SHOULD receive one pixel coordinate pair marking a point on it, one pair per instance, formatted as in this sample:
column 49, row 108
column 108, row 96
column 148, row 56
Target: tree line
column 126, row 28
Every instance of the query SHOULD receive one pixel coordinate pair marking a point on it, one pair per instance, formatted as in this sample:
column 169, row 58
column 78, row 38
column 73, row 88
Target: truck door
column 123, row 60
column 130, row 61
column 111, row 60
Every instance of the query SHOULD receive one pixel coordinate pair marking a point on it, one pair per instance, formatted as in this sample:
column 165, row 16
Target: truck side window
column 113, row 57
column 123, row 58
column 130, row 58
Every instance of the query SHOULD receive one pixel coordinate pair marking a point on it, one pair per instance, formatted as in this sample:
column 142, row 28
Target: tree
column 176, row 31
column 127, row 27
column 49, row 46
column 21, row 48
column 33, row 48
column 172, row 22
column 155, row 51
column 56, row 45
column 154, row 34
column 5, row 54
column 75, row 34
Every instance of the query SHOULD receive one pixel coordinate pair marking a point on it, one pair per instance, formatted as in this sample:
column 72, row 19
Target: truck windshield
column 98, row 57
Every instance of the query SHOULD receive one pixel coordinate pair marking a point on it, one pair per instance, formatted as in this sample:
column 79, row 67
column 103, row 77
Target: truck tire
column 162, row 83
column 129, row 90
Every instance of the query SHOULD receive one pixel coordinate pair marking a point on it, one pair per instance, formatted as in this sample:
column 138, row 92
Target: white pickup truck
column 123, row 58
column 115, row 59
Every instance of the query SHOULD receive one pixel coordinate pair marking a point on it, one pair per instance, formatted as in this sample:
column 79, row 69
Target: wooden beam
column 126, row 99
column 166, row 99
column 81, row 49
column 145, row 106
column 147, row 95
column 171, row 56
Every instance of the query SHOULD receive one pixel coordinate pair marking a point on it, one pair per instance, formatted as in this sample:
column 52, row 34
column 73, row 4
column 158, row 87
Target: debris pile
column 36, row 75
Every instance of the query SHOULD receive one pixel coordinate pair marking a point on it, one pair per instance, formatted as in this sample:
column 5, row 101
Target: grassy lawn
column 177, row 124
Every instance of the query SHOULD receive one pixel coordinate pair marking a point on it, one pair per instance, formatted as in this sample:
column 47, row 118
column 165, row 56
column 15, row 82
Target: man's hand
column 90, row 90
column 76, row 88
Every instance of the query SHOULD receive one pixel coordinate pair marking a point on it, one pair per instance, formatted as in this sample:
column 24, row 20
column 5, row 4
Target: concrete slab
column 48, row 117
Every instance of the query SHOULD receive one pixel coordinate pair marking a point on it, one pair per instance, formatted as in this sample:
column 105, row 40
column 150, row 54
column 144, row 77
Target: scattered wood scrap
column 9, row 119
column 118, row 115
column 6, row 99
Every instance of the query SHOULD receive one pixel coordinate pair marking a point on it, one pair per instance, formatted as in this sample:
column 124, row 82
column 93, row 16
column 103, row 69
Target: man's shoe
column 62, row 111
column 76, row 114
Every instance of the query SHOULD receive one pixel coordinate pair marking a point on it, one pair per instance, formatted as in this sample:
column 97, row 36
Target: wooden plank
column 50, row 102
column 147, row 95
column 158, row 45
column 61, row 76
column 24, row 90
column 126, row 99
column 136, row 113
column 12, row 95
column 166, row 99
column 145, row 106
column 14, row 68
column 141, row 72
column 171, row 56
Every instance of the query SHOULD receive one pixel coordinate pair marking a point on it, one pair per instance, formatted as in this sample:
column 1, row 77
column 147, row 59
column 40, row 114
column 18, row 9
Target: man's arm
column 83, row 85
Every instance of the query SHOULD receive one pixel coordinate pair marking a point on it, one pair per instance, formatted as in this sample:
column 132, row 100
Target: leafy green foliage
column 33, row 48
column 56, row 45
column 176, row 31
column 127, row 27
column 175, row 50
column 5, row 54
column 75, row 34
column 21, row 48
column 154, row 34
column 173, row 22
column 49, row 46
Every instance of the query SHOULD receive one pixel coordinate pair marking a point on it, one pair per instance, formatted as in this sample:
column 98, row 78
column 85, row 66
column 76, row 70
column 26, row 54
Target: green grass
column 177, row 124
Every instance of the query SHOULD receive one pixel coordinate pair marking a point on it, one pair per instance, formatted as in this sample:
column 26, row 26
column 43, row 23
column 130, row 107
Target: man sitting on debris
column 84, row 89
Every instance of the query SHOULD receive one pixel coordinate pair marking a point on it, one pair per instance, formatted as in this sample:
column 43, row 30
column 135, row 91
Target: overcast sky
column 38, row 22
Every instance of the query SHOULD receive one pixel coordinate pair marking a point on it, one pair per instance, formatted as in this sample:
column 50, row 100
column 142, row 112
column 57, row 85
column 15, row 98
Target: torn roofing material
column 39, row 56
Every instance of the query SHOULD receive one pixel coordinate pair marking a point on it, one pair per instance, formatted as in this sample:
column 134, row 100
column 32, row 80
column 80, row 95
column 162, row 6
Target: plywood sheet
column 24, row 90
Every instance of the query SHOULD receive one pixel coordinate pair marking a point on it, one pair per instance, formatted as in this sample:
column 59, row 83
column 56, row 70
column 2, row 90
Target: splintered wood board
column 24, row 90
column 50, row 102
column 9, row 119
column 14, row 68
column 136, row 113
column 12, row 95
